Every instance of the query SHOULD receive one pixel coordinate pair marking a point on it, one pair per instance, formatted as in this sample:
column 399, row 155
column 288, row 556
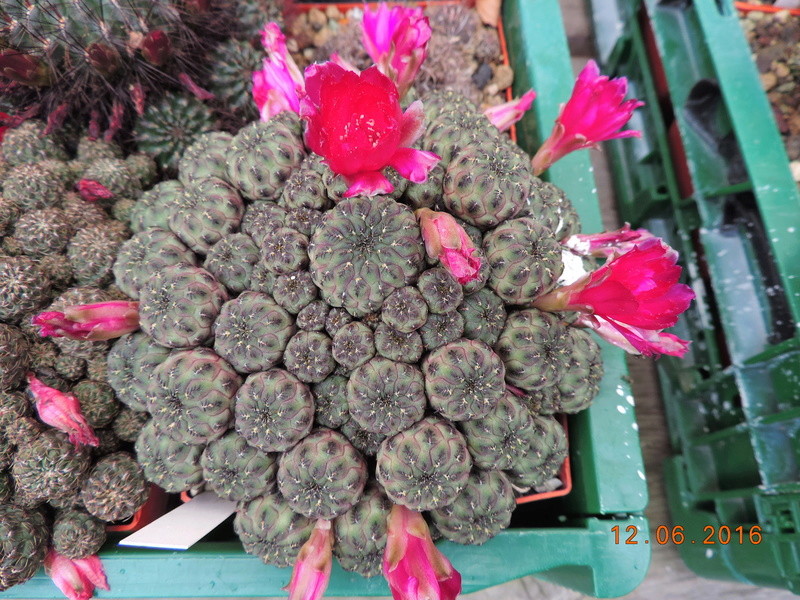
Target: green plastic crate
column 565, row 540
column 733, row 404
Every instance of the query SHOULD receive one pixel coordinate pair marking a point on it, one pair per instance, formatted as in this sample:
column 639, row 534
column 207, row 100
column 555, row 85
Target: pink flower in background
column 92, row 191
column 277, row 86
column 594, row 113
column 396, row 38
column 446, row 240
column 356, row 124
column 608, row 244
column 412, row 565
column 62, row 411
column 77, row 579
column 503, row 116
column 634, row 295
column 312, row 569
column 93, row 322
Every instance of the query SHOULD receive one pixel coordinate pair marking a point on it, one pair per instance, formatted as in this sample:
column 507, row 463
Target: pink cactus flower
column 503, row 116
column 62, row 411
column 278, row 85
column 312, row 570
column 594, row 113
column 634, row 295
column 356, row 124
column 446, row 240
column 396, row 38
column 608, row 244
column 77, row 579
column 92, row 191
column 92, row 322
column 413, row 566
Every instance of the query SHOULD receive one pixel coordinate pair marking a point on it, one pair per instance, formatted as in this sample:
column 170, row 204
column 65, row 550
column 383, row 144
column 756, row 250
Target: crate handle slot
column 703, row 104
column 740, row 213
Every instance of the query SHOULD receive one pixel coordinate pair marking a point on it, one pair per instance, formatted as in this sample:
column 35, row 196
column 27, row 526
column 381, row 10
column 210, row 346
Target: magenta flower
column 78, row 578
column 93, row 322
column 608, row 244
column 355, row 122
column 312, row 570
column 503, row 116
column 634, row 295
column 594, row 113
column 396, row 39
column 278, row 85
column 412, row 565
column 446, row 240
column 62, row 411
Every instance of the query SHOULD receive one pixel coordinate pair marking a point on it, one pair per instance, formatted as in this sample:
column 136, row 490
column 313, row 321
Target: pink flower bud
column 356, row 124
column 156, row 47
column 62, row 411
column 446, row 240
column 24, row 68
column 594, row 113
column 412, row 565
column 312, row 569
column 396, row 39
column 634, row 295
column 93, row 322
column 503, row 116
column 92, row 191
column 103, row 58
column 193, row 88
column 77, row 579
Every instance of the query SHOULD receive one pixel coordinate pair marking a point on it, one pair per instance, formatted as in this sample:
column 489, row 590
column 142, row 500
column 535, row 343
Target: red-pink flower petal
column 503, row 116
column 76, row 579
column 414, row 568
column 608, row 244
column 635, row 340
column 93, row 322
column 312, row 569
column 346, row 65
column 412, row 124
column 368, row 183
column 91, row 190
column 92, row 568
column 62, row 411
column 594, row 113
column 414, row 164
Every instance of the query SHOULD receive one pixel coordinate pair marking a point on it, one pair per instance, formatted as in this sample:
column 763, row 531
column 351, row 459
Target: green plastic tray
column 565, row 540
column 733, row 404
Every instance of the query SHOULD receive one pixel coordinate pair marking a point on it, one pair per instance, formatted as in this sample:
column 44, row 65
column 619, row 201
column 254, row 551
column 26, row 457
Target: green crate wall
column 733, row 404
column 566, row 540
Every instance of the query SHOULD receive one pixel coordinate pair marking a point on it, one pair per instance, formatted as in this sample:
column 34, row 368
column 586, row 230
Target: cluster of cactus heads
column 63, row 218
column 300, row 353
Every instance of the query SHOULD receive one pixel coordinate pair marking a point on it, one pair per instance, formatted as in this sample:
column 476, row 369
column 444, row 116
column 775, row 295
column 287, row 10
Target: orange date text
column 711, row 535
